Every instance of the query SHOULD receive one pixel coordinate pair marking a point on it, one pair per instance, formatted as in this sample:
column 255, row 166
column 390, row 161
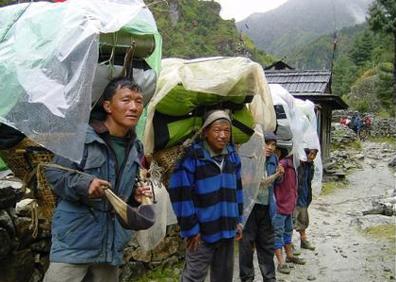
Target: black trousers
column 218, row 256
column 257, row 233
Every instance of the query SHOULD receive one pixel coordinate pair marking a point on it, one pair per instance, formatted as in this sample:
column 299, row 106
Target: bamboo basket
column 46, row 197
column 24, row 160
column 167, row 159
column 16, row 158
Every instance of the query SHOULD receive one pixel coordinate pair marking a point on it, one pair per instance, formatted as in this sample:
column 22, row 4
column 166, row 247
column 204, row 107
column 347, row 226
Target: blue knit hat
column 270, row 136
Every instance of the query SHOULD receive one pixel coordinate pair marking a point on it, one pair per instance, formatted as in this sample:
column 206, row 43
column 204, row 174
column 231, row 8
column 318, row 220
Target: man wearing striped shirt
column 206, row 194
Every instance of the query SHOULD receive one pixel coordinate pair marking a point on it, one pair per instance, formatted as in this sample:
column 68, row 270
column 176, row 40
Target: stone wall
column 169, row 252
column 23, row 254
column 380, row 126
column 384, row 127
column 25, row 257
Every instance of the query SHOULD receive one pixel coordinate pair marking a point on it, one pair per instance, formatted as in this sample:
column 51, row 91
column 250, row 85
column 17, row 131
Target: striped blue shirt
column 207, row 197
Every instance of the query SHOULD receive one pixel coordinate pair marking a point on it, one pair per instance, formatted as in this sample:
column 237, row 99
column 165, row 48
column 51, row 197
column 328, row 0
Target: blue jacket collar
column 96, row 128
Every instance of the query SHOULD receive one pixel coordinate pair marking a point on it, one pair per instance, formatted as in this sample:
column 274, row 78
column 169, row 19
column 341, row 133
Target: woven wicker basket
column 25, row 161
column 167, row 159
column 16, row 159
column 46, row 197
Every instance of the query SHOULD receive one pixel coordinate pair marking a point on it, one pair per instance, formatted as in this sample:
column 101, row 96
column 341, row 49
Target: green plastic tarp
column 219, row 76
column 48, row 57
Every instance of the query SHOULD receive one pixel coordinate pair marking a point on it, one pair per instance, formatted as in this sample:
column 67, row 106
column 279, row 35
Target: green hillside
column 192, row 28
column 317, row 53
column 362, row 72
column 285, row 29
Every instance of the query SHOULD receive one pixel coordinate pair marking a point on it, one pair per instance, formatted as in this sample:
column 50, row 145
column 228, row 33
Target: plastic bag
column 148, row 239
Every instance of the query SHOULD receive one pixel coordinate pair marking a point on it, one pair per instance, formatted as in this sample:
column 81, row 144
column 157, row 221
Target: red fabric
column 367, row 121
column 286, row 190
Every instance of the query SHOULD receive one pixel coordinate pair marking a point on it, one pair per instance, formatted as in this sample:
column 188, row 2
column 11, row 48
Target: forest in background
column 363, row 61
column 362, row 70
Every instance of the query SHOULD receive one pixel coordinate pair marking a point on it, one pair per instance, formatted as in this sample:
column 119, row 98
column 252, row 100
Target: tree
column 362, row 49
column 344, row 74
column 6, row 2
column 382, row 17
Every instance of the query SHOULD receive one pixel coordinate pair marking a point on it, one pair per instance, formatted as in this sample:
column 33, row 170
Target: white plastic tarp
column 252, row 159
column 310, row 139
column 212, row 75
column 48, row 58
column 280, row 96
column 303, row 122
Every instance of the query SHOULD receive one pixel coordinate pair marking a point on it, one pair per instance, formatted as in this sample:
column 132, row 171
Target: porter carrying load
column 187, row 89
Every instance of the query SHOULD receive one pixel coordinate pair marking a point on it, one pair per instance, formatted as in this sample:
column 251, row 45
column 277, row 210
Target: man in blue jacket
column 87, row 238
column 206, row 193
column 258, row 231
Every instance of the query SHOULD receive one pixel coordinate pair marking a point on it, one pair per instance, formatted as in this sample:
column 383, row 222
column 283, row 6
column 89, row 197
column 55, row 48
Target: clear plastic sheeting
column 146, row 79
column 48, row 58
column 303, row 123
column 150, row 238
column 310, row 139
column 164, row 215
column 281, row 96
column 253, row 160
column 219, row 76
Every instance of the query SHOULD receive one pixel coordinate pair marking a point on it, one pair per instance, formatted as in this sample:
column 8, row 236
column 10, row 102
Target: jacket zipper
column 118, row 176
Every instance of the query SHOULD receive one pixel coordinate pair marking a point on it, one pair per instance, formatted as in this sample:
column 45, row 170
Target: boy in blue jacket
column 206, row 193
column 301, row 217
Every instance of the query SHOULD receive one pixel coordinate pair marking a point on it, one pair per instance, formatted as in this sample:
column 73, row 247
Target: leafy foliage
column 383, row 18
column 362, row 69
column 192, row 29
column 6, row 2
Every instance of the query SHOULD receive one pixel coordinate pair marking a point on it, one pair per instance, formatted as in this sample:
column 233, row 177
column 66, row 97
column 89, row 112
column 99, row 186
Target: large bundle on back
column 187, row 89
column 296, row 122
column 310, row 138
column 55, row 70
column 51, row 55
column 288, row 129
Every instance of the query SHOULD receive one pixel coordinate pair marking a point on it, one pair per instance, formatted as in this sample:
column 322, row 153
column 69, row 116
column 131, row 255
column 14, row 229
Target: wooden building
column 316, row 87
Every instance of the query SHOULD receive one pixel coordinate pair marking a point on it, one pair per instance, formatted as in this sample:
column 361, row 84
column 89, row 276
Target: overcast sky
column 240, row 9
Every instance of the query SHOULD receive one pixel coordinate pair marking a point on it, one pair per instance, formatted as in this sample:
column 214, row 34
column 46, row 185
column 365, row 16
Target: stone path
column 344, row 252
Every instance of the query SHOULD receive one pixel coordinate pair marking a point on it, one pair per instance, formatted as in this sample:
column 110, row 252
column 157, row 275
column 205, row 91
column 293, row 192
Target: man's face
column 125, row 108
column 218, row 135
column 312, row 155
column 269, row 147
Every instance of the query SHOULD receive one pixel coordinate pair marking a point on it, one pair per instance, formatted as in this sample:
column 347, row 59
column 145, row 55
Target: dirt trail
column 343, row 252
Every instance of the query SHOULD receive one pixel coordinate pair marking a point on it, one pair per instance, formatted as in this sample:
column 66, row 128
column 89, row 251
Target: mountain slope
column 362, row 71
column 192, row 28
column 317, row 53
column 282, row 30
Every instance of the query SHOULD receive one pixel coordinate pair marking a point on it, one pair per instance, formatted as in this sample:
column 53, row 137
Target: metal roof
column 307, row 85
column 301, row 82
column 334, row 102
